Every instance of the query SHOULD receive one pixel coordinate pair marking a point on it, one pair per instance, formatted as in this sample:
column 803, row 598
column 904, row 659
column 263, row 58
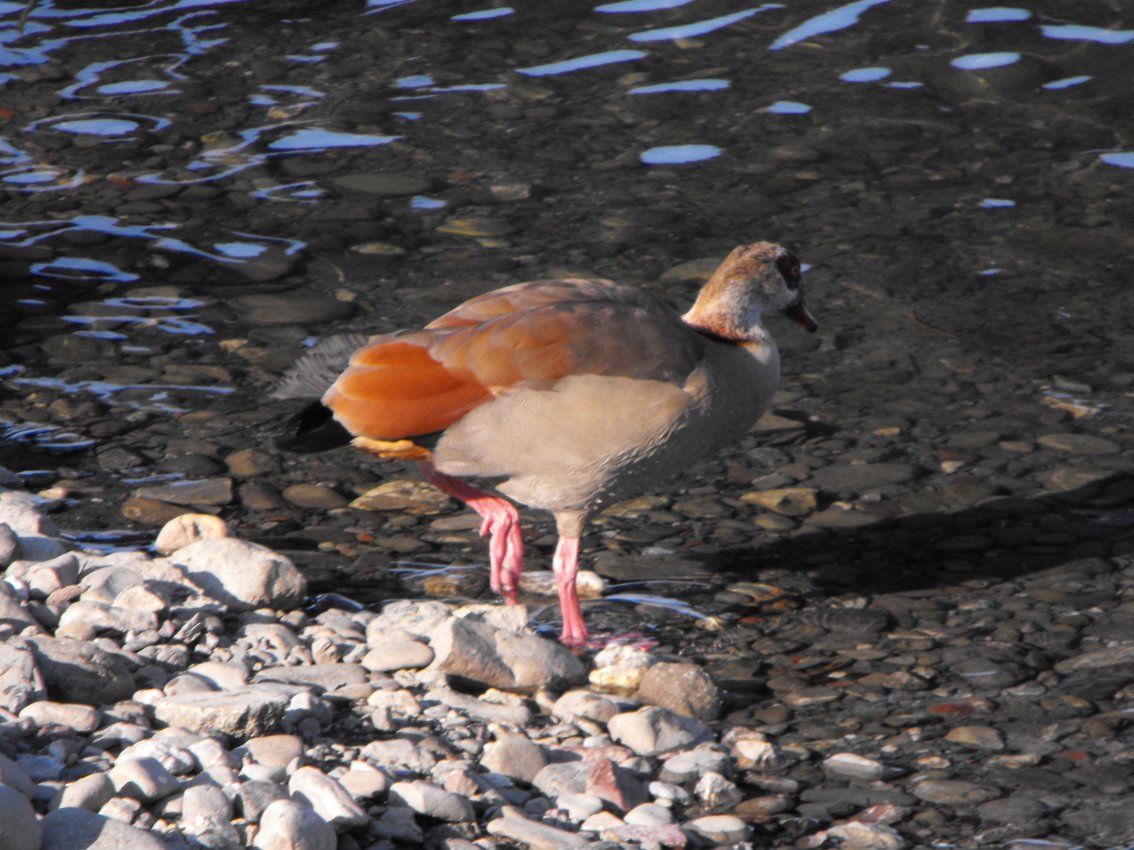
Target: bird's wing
column 423, row 381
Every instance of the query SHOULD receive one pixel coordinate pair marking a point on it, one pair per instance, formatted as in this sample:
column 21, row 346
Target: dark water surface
column 193, row 190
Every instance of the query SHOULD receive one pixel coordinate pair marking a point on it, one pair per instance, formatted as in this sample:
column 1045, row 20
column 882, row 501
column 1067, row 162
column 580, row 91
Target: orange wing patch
column 394, row 388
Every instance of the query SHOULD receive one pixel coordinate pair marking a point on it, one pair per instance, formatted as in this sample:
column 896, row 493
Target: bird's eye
column 788, row 264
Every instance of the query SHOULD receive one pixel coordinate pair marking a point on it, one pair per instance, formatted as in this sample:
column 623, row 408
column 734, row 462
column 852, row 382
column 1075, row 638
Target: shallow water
column 967, row 170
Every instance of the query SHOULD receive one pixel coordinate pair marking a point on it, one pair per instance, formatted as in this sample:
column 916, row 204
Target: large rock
column 474, row 650
column 239, row 713
column 242, row 575
column 78, row 829
column 653, row 730
column 327, row 797
column 14, row 617
column 684, row 688
column 80, row 671
column 21, row 682
column 19, row 828
column 288, row 825
column 429, row 800
column 36, row 532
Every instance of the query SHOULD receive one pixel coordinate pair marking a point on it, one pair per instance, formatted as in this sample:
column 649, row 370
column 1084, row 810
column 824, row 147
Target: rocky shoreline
column 182, row 697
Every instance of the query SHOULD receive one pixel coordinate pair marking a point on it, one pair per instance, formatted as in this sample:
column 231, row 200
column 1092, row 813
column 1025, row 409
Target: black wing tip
column 313, row 429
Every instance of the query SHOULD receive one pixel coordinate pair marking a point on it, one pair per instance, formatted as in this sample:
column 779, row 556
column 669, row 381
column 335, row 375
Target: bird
column 564, row 395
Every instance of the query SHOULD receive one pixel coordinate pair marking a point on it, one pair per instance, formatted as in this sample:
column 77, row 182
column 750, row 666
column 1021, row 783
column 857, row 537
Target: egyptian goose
column 568, row 395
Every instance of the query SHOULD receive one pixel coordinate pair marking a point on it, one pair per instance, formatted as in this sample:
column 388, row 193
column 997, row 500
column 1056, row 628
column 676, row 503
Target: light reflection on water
column 155, row 45
column 1076, row 32
column 677, row 154
column 682, row 86
column 580, row 63
column 981, row 61
column 997, row 14
column 697, row 28
column 831, row 21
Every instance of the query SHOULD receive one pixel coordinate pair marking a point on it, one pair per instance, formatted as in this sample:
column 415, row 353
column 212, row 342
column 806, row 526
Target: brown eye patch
column 788, row 264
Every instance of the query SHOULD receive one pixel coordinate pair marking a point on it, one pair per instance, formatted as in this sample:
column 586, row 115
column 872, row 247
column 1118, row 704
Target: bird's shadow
column 928, row 553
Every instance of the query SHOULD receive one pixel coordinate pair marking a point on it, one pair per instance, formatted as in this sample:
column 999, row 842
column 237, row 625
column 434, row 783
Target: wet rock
column 1014, row 809
column 859, row 477
column 67, row 829
column 19, row 827
column 685, row 689
column 242, row 574
column 788, row 501
column 651, row 731
column 855, row 835
column 953, row 792
column 189, row 528
column 320, row 496
column 474, row 650
column 209, row 491
column 414, row 497
column 981, row 737
column 238, row 713
column 288, row 825
column 291, row 308
column 1106, row 825
column 1080, row 444
column 151, row 511
column 376, row 183
column 853, row 766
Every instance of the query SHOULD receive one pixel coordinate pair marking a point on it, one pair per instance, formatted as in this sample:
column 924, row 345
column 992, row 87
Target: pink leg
column 501, row 524
column 566, row 566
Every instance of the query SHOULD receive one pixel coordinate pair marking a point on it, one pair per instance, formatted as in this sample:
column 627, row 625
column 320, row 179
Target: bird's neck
column 727, row 311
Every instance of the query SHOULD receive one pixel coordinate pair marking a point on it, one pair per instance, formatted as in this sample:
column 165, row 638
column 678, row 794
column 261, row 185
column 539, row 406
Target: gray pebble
column 19, row 827
column 67, row 829
column 429, row 800
column 651, row 731
column 289, row 825
column 144, row 779
column 254, row 797
column 719, row 829
column 327, row 797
